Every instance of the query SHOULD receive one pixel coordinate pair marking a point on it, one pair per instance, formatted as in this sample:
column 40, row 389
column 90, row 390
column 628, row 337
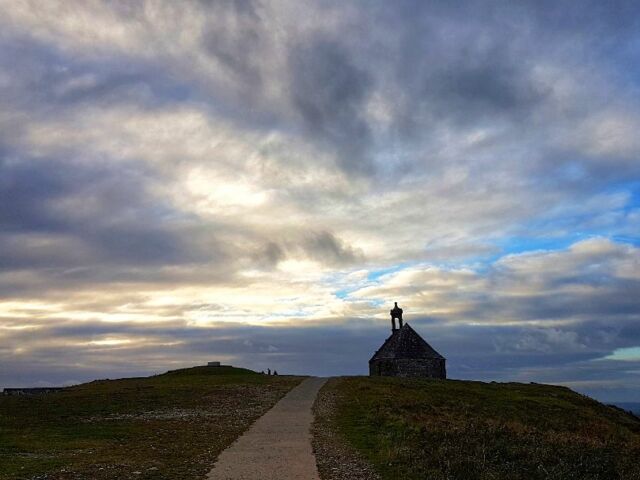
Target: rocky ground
column 170, row 426
column 335, row 459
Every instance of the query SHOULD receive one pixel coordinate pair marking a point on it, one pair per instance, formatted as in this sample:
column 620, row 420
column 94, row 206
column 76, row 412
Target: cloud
column 486, row 332
column 277, row 171
column 593, row 279
column 102, row 210
column 329, row 93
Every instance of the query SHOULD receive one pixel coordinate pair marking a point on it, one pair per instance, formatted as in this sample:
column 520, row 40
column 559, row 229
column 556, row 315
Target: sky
column 256, row 182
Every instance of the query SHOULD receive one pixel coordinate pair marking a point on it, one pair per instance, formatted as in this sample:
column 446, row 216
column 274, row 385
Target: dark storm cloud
column 47, row 82
column 468, row 65
column 444, row 80
column 480, row 86
column 329, row 249
column 271, row 254
column 329, row 92
column 618, row 299
column 321, row 246
column 26, row 193
column 615, row 20
column 103, row 214
column 233, row 42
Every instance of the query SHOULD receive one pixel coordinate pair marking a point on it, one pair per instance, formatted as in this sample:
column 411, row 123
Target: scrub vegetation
column 162, row 427
column 435, row 429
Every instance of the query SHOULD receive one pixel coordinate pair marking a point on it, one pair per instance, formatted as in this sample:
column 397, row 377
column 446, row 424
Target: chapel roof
column 405, row 343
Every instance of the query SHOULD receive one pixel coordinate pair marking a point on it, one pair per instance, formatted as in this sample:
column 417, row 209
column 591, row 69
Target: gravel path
column 278, row 444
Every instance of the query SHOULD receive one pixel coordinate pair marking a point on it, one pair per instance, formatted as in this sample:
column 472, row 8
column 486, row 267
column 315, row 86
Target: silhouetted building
column 406, row 354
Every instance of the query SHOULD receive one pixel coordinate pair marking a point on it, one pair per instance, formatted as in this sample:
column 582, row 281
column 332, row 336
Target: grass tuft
column 446, row 430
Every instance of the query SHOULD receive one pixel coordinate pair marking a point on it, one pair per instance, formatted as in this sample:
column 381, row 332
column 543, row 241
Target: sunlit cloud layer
column 256, row 182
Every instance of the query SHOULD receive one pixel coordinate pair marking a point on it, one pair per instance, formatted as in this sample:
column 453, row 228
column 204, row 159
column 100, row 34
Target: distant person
column 268, row 371
column 275, row 372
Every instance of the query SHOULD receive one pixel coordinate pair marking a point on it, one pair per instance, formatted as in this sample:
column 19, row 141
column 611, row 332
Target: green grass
column 432, row 429
column 167, row 426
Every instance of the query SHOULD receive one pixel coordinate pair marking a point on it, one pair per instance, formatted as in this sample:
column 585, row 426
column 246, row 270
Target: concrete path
column 278, row 444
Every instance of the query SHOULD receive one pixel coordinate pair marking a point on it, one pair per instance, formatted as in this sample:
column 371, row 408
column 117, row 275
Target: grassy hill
column 416, row 429
column 166, row 426
column 633, row 407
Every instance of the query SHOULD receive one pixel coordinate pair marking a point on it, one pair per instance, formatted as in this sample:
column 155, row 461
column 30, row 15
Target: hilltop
column 633, row 407
column 174, row 426
column 392, row 428
column 168, row 426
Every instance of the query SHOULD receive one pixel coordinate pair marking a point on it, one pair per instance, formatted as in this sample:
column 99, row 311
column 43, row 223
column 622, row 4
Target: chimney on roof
column 396, row 312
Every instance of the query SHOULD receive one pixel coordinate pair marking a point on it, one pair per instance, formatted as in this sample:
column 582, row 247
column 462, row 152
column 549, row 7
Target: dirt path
column 278, row 444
